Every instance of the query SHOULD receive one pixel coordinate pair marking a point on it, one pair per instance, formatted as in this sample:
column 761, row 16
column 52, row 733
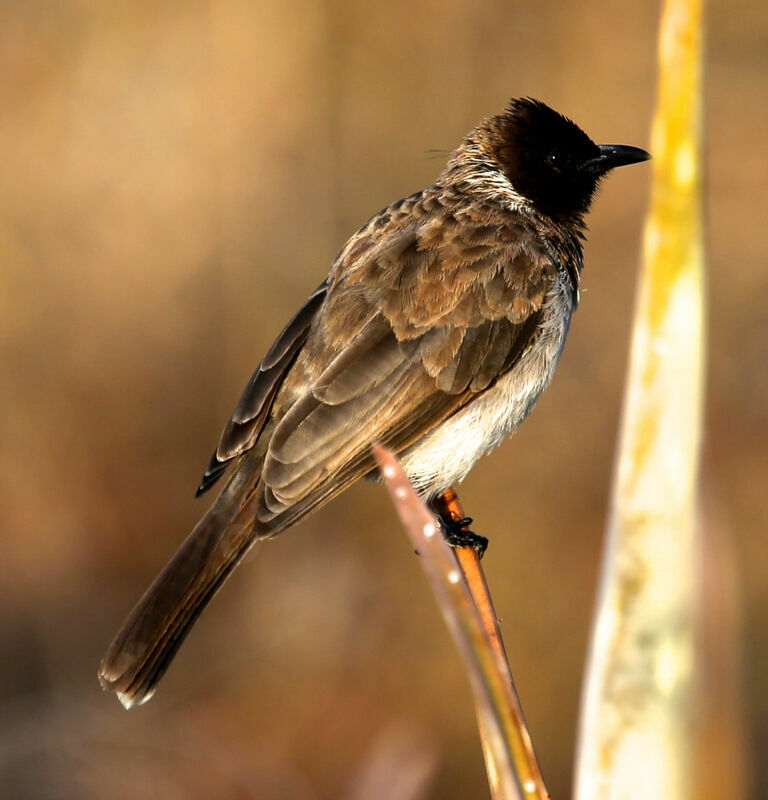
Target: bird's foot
column 457, row 534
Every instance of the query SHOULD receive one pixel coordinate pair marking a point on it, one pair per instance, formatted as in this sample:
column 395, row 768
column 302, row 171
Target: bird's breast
column 446, row 454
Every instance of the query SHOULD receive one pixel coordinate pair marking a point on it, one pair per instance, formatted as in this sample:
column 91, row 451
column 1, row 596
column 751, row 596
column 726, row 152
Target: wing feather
column 415, row 321
column 247, row 421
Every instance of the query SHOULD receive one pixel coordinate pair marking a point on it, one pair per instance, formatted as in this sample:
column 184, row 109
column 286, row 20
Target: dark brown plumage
column 439, row 325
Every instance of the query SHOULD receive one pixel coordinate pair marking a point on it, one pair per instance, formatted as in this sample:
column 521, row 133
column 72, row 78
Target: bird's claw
column 457, row 534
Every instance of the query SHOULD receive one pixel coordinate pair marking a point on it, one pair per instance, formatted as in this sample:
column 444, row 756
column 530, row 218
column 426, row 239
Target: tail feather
column 149, row 638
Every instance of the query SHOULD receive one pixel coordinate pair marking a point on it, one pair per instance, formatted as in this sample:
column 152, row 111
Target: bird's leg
column 455, row 525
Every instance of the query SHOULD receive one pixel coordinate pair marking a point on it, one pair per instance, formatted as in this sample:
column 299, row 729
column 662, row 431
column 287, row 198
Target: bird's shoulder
column 442, row 257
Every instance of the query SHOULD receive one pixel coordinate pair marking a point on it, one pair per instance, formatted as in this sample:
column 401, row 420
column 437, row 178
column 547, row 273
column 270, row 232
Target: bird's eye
column 554, row 160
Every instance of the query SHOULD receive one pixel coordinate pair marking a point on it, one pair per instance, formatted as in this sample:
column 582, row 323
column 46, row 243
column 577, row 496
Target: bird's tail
column 149, row 638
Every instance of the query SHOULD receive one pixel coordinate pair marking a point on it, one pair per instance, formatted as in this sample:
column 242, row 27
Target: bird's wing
column 426, row 307
column 247, row 420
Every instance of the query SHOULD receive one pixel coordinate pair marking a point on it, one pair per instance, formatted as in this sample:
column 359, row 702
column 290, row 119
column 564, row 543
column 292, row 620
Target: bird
column 440, row 323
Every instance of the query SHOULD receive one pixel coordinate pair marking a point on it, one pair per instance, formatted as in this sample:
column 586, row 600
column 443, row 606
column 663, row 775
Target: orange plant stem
column 448, row 506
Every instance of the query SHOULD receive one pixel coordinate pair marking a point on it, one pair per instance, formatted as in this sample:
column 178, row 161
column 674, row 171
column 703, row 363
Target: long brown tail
column 149, row 638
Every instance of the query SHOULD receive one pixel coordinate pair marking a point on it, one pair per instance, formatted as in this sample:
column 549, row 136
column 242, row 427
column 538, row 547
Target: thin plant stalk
column 463, row 598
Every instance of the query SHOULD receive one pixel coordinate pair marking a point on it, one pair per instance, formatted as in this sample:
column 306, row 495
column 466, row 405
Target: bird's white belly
column 446, row 454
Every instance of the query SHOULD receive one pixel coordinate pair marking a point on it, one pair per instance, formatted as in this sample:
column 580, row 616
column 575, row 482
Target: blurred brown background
column 175, row 180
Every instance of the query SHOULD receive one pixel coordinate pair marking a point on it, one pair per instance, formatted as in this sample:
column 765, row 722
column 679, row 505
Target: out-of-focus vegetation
column 176, row 179
column 641, row 708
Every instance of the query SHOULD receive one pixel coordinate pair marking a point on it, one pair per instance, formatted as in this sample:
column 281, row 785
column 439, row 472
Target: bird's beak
column 615, row 155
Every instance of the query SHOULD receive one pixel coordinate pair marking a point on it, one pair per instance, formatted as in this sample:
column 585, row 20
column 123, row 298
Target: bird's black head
column 550, row 161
